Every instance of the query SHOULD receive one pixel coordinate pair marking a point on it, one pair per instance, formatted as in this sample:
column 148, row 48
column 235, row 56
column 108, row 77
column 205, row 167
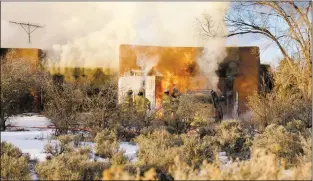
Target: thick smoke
column 145, row 65
column 88, row 34
column 214, row 50
column 213, row 53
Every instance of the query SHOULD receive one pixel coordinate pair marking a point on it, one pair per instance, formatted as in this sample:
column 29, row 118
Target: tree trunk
column 2, row 122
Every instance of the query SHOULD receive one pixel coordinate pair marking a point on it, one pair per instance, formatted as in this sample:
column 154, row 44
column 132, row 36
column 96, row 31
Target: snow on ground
column 130, row 150
column 31, row 142
column 37, row 135
column 29, row 122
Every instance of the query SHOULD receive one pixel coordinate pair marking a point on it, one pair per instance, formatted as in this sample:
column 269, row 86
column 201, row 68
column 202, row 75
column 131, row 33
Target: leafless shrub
column 17, row 79
column 287, row 24
column 73, row 105
column 101, row 108
column 273, row 108
column 62, row 105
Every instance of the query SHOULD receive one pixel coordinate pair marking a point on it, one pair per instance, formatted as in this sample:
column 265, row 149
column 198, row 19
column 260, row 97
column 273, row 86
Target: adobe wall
column 173, row 58
column 248, row 83
column 29, row 54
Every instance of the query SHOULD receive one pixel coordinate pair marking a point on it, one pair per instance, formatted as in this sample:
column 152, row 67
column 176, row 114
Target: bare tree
column 288, row 24
column 17, row 79
column 79, row 105
column 62, row 105
column 101, row 106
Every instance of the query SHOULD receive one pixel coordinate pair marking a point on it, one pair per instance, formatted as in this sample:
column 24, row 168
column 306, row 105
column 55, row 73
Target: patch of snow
column 223, row 159
column 130, row 150
column 32, row 122
column 33, row 173
column 31, row 142
column 288, row 173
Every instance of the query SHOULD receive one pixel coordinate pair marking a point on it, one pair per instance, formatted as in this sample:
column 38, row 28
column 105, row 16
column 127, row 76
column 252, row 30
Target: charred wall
column 266, row 78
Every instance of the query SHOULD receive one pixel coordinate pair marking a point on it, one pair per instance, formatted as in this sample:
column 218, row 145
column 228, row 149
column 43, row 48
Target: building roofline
column 183, row 46
column 21, row 48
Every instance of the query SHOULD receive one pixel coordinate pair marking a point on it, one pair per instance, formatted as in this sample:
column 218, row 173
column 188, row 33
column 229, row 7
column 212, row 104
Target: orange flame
column 177, row 65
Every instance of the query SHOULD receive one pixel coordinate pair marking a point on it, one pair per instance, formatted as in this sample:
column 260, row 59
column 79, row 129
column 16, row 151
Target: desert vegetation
column 14, row 164
column 17, row 81
column 274, row 143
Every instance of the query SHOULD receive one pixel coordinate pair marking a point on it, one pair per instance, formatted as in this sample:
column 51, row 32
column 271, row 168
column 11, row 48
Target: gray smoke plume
column 88, row 34
column 214, row 51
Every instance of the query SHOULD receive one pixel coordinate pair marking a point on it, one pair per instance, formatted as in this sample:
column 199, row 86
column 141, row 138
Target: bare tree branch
column 287, row 24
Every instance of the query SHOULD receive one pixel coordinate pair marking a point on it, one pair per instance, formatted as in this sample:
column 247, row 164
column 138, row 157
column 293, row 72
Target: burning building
column 157, row 68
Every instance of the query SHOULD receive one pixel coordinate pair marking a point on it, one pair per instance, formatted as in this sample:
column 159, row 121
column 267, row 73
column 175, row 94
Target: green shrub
column 84, row 150
column 14, row 165
column 232, row 139
column 306, row 142
column 158, row 149
column 195, row 150
column 74, row 165
column 295, row 126
column 261, row 167
column 277, row 140
column 66, row 144
column 209, row 130
column 147, row 130
column 10, row 150
column 119, row 173
column 106, row 144
column 119, row 158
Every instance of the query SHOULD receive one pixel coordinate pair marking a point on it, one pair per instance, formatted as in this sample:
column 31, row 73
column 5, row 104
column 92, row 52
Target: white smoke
column 89, row 33
column 146, row 65
column 214, row 51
